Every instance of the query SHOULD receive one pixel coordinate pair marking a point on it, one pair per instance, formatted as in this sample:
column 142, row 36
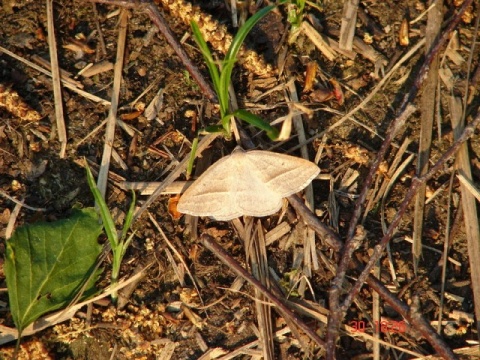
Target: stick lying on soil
column 337, row 309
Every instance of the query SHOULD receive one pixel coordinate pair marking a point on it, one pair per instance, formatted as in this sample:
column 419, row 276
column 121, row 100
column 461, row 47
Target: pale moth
column 249, row 183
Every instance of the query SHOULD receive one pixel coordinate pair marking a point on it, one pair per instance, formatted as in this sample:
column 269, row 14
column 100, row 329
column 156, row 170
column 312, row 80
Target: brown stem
column 156, row 17
column 323, row 231
column 336, row 313
column 210, row 244
column 416, row 321
column 414, row 318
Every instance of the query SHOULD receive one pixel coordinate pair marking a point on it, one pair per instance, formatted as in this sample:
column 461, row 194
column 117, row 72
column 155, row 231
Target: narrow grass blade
column 231, row 56
column 129, row 217
column 192, row 157
column 258, row 122
column 108, row 222
column 212, row 67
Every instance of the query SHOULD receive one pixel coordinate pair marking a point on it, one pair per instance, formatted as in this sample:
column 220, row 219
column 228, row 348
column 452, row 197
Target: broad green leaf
column 47, row 264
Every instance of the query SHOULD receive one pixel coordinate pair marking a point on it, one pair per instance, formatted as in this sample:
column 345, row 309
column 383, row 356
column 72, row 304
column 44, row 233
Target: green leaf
column 231, row 56
column 212, row 67
column 258, row 122
column 213, row 129
column 47, row 264
column 107, row 219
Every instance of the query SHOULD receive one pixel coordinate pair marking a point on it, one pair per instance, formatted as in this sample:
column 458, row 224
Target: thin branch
column 68, row 83
column 418, row 322
column 322, row 230
column 112, row 115
column 414, row 318
column 334, row 299
column 156, row 17
column 210, row 244
column 416, row 182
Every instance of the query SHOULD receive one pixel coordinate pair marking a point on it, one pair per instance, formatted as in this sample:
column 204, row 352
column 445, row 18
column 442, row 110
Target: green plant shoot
column 295, row 14
column 222, row 77
column 192, row 158
column 118, row 244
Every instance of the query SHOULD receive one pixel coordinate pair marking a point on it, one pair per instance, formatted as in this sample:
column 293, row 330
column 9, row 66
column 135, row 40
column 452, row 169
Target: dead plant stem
column 210, row 244
column 57, row 90
column 156, row 17
column 112, row 114
column 416, row 182
column 427, row 112
column 337, row 311
column 332, row 240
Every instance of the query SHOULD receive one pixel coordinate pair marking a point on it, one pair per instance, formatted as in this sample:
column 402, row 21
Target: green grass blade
column 213, row 129
column 129, row 217
column 192, row 157
column 243, row 32
column 212, row 67
column 107, row 219
column 226, row 125
column 258, row 122
column 230, row 58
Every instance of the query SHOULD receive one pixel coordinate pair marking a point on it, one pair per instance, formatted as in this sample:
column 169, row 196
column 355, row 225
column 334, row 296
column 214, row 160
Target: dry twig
column 310, row 255
column 57, row 90
column 367, row 99
column 279, row 303
column 427, row 112
column 256, row 255
column 112, row 115
column 152, row 11
column 472, row 228
column 418, row 322
column 349, row 20
column 68, row 83
column 338, row 310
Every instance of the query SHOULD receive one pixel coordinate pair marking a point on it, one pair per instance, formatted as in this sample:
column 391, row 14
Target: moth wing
column 282, row 173
column 247, row 183
column 252, row 196
column 211, row 193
